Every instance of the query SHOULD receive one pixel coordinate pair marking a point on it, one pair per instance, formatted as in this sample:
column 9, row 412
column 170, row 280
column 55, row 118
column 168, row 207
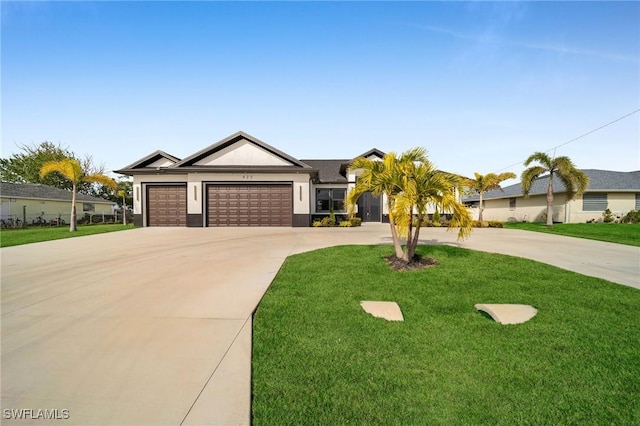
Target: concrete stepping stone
column 387, row 310
column 508, row 313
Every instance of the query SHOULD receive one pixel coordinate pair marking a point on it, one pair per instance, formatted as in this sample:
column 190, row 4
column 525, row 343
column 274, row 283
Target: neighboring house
column 617, row 191
column 37, row 203
column 242, row 181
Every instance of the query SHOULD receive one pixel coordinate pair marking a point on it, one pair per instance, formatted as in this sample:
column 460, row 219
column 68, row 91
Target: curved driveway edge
column 153, row 326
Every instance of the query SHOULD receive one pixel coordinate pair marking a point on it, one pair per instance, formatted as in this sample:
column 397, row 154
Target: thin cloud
column 525, row 45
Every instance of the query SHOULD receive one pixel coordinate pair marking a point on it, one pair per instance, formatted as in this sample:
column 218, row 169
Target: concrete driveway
column 153, row 326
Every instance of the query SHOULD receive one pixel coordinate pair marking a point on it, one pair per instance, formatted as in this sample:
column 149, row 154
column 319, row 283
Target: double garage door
column 226, row 205
column 249, row 205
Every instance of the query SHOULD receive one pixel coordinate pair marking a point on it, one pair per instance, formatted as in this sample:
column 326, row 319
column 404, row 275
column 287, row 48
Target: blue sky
column 481, row 85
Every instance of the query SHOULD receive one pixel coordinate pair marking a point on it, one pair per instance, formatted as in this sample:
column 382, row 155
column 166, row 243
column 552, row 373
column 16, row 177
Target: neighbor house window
column 637, row 201
column 594, row 202
column 87, row 207
column 328, row 199
column 512, row 203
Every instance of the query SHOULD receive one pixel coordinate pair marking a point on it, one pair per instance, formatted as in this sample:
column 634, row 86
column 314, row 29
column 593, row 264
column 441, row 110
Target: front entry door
column 369, row 208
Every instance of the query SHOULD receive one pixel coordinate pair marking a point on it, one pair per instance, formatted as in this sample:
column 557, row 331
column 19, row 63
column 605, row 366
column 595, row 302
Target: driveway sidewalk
column 153, row 326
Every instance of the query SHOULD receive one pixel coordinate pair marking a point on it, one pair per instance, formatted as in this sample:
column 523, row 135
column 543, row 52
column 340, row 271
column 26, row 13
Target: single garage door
column 249, row 205
column 167, row 205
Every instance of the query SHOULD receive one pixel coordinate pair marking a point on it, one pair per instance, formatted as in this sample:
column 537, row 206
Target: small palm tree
column 421, row 184
column 574, row 180
column 380, row 178
column 71, row 169
column 488, row 182
column 409, row 182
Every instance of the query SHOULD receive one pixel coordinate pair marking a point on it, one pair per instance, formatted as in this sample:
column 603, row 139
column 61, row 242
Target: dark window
column 594, row 202
column 637, row 201
column 87, row 207
column 328, row 199
column 512, row 203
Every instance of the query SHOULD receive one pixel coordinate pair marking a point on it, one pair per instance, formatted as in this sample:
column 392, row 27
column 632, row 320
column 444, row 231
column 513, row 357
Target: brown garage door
column 167, row 205
column 249, row 205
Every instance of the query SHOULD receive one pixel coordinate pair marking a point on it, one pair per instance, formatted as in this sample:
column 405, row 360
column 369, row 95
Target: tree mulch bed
column 417, row 263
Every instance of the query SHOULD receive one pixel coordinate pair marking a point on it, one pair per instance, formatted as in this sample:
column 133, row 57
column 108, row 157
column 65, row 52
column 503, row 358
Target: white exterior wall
column 530, row 209
column 196, row 187
column 620, row 203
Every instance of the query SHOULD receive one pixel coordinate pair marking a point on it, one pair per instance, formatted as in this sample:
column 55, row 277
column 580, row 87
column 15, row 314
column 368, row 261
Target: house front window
column 512, row 203
column 594, row 202
column 328, row 199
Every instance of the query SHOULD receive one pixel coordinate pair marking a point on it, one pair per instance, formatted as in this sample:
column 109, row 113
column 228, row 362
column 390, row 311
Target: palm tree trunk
column 394, row 231
column 124, row 211
column 72, row 224
column 550, row 201
column 481, row 208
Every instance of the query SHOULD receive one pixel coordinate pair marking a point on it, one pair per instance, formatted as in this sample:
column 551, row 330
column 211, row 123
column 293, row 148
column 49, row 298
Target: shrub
column 435, row 217
column 355, row 221
column 632, row 217
column 316, row 224
column 345, row 224
column 495, row 224
column 607, row 216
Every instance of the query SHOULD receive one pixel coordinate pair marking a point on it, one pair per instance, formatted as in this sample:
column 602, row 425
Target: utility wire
column 579, row 137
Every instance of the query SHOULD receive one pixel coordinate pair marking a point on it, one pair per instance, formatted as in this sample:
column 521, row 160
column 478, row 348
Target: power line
column 579, row 137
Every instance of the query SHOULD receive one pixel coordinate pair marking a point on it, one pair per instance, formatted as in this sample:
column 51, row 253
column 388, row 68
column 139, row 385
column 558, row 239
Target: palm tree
column 484, row 183
column 421, row 184
column 409, row 184
column 574, row 180
column 380, row 178
column 71, row 170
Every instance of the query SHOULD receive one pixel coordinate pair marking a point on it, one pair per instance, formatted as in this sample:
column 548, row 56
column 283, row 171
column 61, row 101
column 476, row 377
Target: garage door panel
column 249, row 205
column 167, row 205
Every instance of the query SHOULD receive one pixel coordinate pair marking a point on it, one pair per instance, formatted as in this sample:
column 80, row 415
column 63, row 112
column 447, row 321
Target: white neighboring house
column 37, row 203
column 617, row 191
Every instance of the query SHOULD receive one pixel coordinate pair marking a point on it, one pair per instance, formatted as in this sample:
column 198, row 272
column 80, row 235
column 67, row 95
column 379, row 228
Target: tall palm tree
column 574, row 180
column 409, row 182
column 72, row 170
column 488, row 182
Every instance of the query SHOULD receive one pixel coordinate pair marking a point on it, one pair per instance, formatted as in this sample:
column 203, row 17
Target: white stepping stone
column 508, row 313
column 387, row 310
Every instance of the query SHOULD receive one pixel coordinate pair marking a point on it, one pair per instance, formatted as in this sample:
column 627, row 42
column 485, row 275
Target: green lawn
column 15, row 237
column 319, row 359
column 622, row 233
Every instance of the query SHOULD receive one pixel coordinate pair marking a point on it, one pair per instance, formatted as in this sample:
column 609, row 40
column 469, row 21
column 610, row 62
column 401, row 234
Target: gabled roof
column 599, row 181
column 155, row 160
column 44, row 192
column 330, row 171
column 372, row 152
column 192, row 160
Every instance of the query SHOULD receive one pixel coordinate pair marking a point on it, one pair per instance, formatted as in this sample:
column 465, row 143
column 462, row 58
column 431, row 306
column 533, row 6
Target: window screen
column 594, row 202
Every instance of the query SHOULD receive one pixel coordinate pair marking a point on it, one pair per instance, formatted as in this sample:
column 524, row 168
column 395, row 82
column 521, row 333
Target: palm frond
column 529, row 176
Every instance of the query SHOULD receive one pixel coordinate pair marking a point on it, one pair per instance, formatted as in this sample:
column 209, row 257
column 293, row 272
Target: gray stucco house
column 243, row 181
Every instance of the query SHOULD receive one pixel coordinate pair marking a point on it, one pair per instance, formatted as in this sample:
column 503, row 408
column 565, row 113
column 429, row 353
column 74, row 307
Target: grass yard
column 15, row 237
column 318, row 358
column 622, row 233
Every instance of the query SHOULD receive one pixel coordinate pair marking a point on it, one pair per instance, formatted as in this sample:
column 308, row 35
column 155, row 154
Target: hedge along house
column 242, row 181
column 37, row 203
column 617, row 191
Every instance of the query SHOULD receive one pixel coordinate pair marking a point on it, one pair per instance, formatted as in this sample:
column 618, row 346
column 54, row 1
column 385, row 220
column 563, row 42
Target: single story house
column 617, row 191
column 36, row 203
column 242, row 181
